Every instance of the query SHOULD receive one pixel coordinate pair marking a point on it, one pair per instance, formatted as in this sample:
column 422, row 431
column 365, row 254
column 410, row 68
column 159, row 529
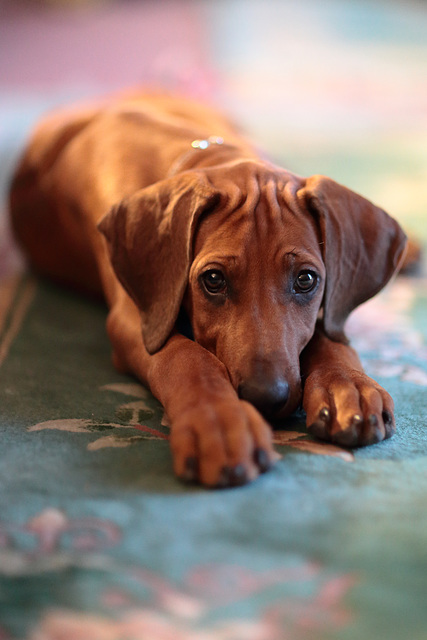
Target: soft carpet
column 98, row 540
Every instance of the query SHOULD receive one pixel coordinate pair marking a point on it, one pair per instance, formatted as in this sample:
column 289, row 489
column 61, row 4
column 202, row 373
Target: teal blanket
column 98, row 540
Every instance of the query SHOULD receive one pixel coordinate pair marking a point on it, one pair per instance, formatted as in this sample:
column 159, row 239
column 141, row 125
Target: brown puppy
column 265, row 265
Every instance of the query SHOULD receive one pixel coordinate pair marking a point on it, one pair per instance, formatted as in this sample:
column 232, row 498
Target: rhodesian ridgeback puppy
column 229, row 279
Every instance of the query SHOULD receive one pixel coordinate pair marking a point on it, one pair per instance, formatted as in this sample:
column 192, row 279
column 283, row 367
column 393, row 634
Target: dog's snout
column 268, row 398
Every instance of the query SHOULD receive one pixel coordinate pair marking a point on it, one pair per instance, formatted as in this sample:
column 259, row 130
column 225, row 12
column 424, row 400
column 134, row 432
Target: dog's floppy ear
column 362, row 247
column 150, row 237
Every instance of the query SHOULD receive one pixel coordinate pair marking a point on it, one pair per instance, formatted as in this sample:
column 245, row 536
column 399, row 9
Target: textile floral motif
column 210, row 602
column 130, row 414
column 49, row 540
column 399, row 350
column 384, row 333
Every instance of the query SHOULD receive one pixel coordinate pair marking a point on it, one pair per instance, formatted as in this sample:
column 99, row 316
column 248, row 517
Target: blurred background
column 337, row 87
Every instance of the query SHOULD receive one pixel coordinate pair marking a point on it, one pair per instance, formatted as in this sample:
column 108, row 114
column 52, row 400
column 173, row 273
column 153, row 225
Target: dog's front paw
column 348, row 408
column 221, row 444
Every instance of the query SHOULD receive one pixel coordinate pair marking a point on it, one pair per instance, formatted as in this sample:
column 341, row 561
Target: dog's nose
column 268, row 399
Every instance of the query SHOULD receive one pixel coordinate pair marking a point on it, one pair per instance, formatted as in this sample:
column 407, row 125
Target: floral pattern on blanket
column 130, row 415
column 386, row 336
column 136, row 603
column 397, row 350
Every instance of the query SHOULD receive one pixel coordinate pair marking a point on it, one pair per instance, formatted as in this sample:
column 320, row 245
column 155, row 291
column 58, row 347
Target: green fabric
column 320, row 544
column 98, row 540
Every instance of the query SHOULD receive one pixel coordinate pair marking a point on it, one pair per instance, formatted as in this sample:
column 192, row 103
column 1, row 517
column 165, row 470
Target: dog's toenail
column 238, row 475
column 262, row 460
column 319, row 429
column 191, row 469
column 319, row 426
column 387, row 418
column 324, row 414
column 375, row 436
column 356, row 420
column 224, row 477
column 389, row 427
column 374, row 433
column 390, row 430
column 347, row 437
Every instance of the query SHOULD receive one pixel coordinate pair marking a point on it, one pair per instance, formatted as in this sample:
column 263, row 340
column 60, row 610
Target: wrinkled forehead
column 261, row 222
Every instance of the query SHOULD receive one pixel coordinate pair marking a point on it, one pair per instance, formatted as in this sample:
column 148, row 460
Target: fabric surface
column 98, row 540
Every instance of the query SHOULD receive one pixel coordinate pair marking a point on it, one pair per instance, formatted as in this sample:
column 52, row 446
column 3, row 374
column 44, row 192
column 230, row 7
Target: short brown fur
column 174, row 218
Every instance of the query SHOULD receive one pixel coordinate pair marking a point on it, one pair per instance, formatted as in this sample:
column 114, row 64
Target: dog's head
column 255, row 256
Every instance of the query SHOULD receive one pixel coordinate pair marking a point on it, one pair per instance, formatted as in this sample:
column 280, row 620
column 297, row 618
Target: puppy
column 161, row 205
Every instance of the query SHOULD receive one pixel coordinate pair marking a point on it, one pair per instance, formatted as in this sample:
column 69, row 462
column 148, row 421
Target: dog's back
column 96, row 155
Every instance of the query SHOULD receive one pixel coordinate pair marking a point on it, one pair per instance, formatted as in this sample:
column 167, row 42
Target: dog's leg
column 216, row 438
column 342, row 403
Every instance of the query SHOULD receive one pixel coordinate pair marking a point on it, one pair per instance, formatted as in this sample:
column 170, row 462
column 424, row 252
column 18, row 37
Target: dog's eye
column 305, row 282
column 214, row 281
